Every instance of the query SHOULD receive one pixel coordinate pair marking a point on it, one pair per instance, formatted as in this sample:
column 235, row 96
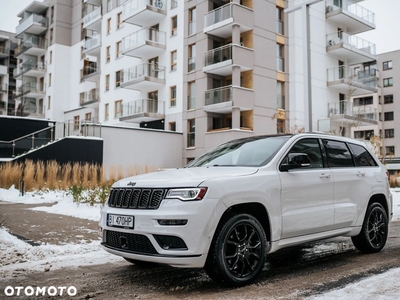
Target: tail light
column 388, row 175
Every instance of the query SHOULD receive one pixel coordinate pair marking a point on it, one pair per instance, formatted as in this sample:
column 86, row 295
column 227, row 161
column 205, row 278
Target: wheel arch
column 381, row 199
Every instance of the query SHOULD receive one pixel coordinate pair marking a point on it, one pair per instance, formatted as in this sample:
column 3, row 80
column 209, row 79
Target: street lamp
column 305, row 8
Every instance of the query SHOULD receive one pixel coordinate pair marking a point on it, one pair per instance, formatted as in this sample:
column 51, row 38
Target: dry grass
column 50, row 175
column 395, row 180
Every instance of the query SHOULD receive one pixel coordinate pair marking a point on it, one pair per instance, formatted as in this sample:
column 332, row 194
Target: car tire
column 238, row 251
column 374, row 231
column 140, row 263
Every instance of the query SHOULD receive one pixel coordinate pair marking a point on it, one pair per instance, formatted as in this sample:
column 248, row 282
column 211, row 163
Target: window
column 49, row 79
column 107, row 82
column 174, row 57
column 192, row 58
column 389, row 133
column 279, row 57
column 51, row 57
column 172, row 126
column 174, row 25
column 363, row 101
column 388, row 82
column 106, row 111
column 81, row 98
column 118, row 75
column 118, row 109
column 172, row 96
column 52, row 15
column 191, row 95
column 387, row 99
column 76, row 123
column 82, row 52
column 88, row 117
column 361, row 156
column 279, row 20
column 310, row 147
column 108, row 54
column 338, row 154
column 191, row 133
column 48, row 102
column 389, row 150
column 108, row 26
column 280, row 95
column 387, row 65
column 280, row 126
column 364, row 135
column 51, row 36
column 120, row 24
column 389, row 116
column 119, row 49
column 192, row 21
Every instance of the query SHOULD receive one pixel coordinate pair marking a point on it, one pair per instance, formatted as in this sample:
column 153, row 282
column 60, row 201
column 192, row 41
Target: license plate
column 120, row 221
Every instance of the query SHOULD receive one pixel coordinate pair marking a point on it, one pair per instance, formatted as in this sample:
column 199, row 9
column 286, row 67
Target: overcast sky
column 386, row 37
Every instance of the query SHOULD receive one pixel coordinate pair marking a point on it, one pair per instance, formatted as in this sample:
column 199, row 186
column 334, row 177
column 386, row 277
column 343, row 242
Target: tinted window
column 361, row 156
column 312, row 149
column 338, row 154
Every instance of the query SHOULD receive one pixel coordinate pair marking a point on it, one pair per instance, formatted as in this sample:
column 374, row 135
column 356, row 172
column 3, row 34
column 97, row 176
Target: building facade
column 8, row 43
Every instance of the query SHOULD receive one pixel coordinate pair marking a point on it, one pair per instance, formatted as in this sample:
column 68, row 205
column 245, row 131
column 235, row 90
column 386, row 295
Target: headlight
column 187, row 194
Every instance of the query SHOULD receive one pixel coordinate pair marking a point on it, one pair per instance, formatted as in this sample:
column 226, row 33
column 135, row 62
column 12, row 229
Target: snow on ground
column 22, row 257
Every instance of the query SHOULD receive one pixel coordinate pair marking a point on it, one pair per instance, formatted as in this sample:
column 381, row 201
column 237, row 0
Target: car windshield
column 248, row 152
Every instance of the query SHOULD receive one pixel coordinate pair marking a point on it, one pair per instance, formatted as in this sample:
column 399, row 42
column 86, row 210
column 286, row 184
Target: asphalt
column 38, row 227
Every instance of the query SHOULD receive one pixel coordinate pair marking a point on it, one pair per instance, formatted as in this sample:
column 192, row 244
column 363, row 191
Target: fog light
column 169, row 242
column 172, row 222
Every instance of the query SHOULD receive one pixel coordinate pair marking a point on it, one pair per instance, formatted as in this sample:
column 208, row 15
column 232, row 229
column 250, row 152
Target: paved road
column 292, row 273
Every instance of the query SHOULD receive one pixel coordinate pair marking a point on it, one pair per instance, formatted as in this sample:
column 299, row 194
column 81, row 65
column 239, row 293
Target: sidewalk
column 37, row 227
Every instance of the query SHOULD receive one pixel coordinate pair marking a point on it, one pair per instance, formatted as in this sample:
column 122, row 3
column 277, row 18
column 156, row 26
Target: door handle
column 323, row 175
column 360, row 174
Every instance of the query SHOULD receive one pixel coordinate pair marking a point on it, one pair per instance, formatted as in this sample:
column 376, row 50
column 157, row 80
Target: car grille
column 129, row 242
column 134, row 198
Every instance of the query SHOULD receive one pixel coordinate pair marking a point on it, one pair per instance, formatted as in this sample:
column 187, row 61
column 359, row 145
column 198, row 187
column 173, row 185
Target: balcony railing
column 27, row 66
column 90, row 69
column 350, row 75
column 144, row 70
column 220, row 14
column 3, row 87
column 90, row 96
column 93, row 41
column 89, row 17
column 33, row 41
column 4, row 50
column 30, row 87
column 150, row 106
column 191, row 102
column 280, row 101
column 217, row 55
column 191, row 64
column 279, row 27
column 218, row 95
column 352, row 41
column 141, row 36
column 121, row 2
column 349, row 109
column 351, row 7
column 29, row 21
column 133, row 6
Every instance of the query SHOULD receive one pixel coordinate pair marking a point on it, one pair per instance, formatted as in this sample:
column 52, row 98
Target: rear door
column 307, row 193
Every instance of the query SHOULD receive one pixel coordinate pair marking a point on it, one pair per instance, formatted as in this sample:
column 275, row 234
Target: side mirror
column 295, row 161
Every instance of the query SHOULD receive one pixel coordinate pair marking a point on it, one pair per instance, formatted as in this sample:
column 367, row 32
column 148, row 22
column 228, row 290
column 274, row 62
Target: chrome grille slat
column 136, row 198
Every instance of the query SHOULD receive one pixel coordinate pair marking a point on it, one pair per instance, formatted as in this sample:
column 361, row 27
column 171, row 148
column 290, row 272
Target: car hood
column 187, row 177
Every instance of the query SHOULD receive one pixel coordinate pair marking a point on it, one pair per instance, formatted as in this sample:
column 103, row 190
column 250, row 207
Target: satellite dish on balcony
column 158, row 4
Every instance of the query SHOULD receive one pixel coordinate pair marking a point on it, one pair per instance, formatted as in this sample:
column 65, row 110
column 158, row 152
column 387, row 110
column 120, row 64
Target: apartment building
column 8, row 43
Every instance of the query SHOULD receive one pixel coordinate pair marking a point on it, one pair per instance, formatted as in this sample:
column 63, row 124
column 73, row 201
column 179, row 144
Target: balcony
column 93, row 45
column 34, row 45
column 220, row 61
column 144, row 43
column 90, row 98
column 3, row 88
column 347, row 112
column 31, row 90
column 34, row 24
column 350, row 47
column 345, row 79
column 219, row 21
column 144, row 12
column 143, row 110
column 4, row 52
column 223, row 99
column 92, row 19
column 91, row 71
column 93, row 2
column 30, row 69
column 144, row 77
column 353, row 16
column 3, row 70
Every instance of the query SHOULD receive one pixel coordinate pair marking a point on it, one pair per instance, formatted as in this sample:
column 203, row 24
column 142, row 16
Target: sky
column 384, row 286
column 384, row 36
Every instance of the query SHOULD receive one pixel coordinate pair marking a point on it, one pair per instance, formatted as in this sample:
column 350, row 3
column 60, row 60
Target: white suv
column 243, row 199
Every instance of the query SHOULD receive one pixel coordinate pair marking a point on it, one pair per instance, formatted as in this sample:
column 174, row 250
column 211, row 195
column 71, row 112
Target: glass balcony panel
column 35, row 24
